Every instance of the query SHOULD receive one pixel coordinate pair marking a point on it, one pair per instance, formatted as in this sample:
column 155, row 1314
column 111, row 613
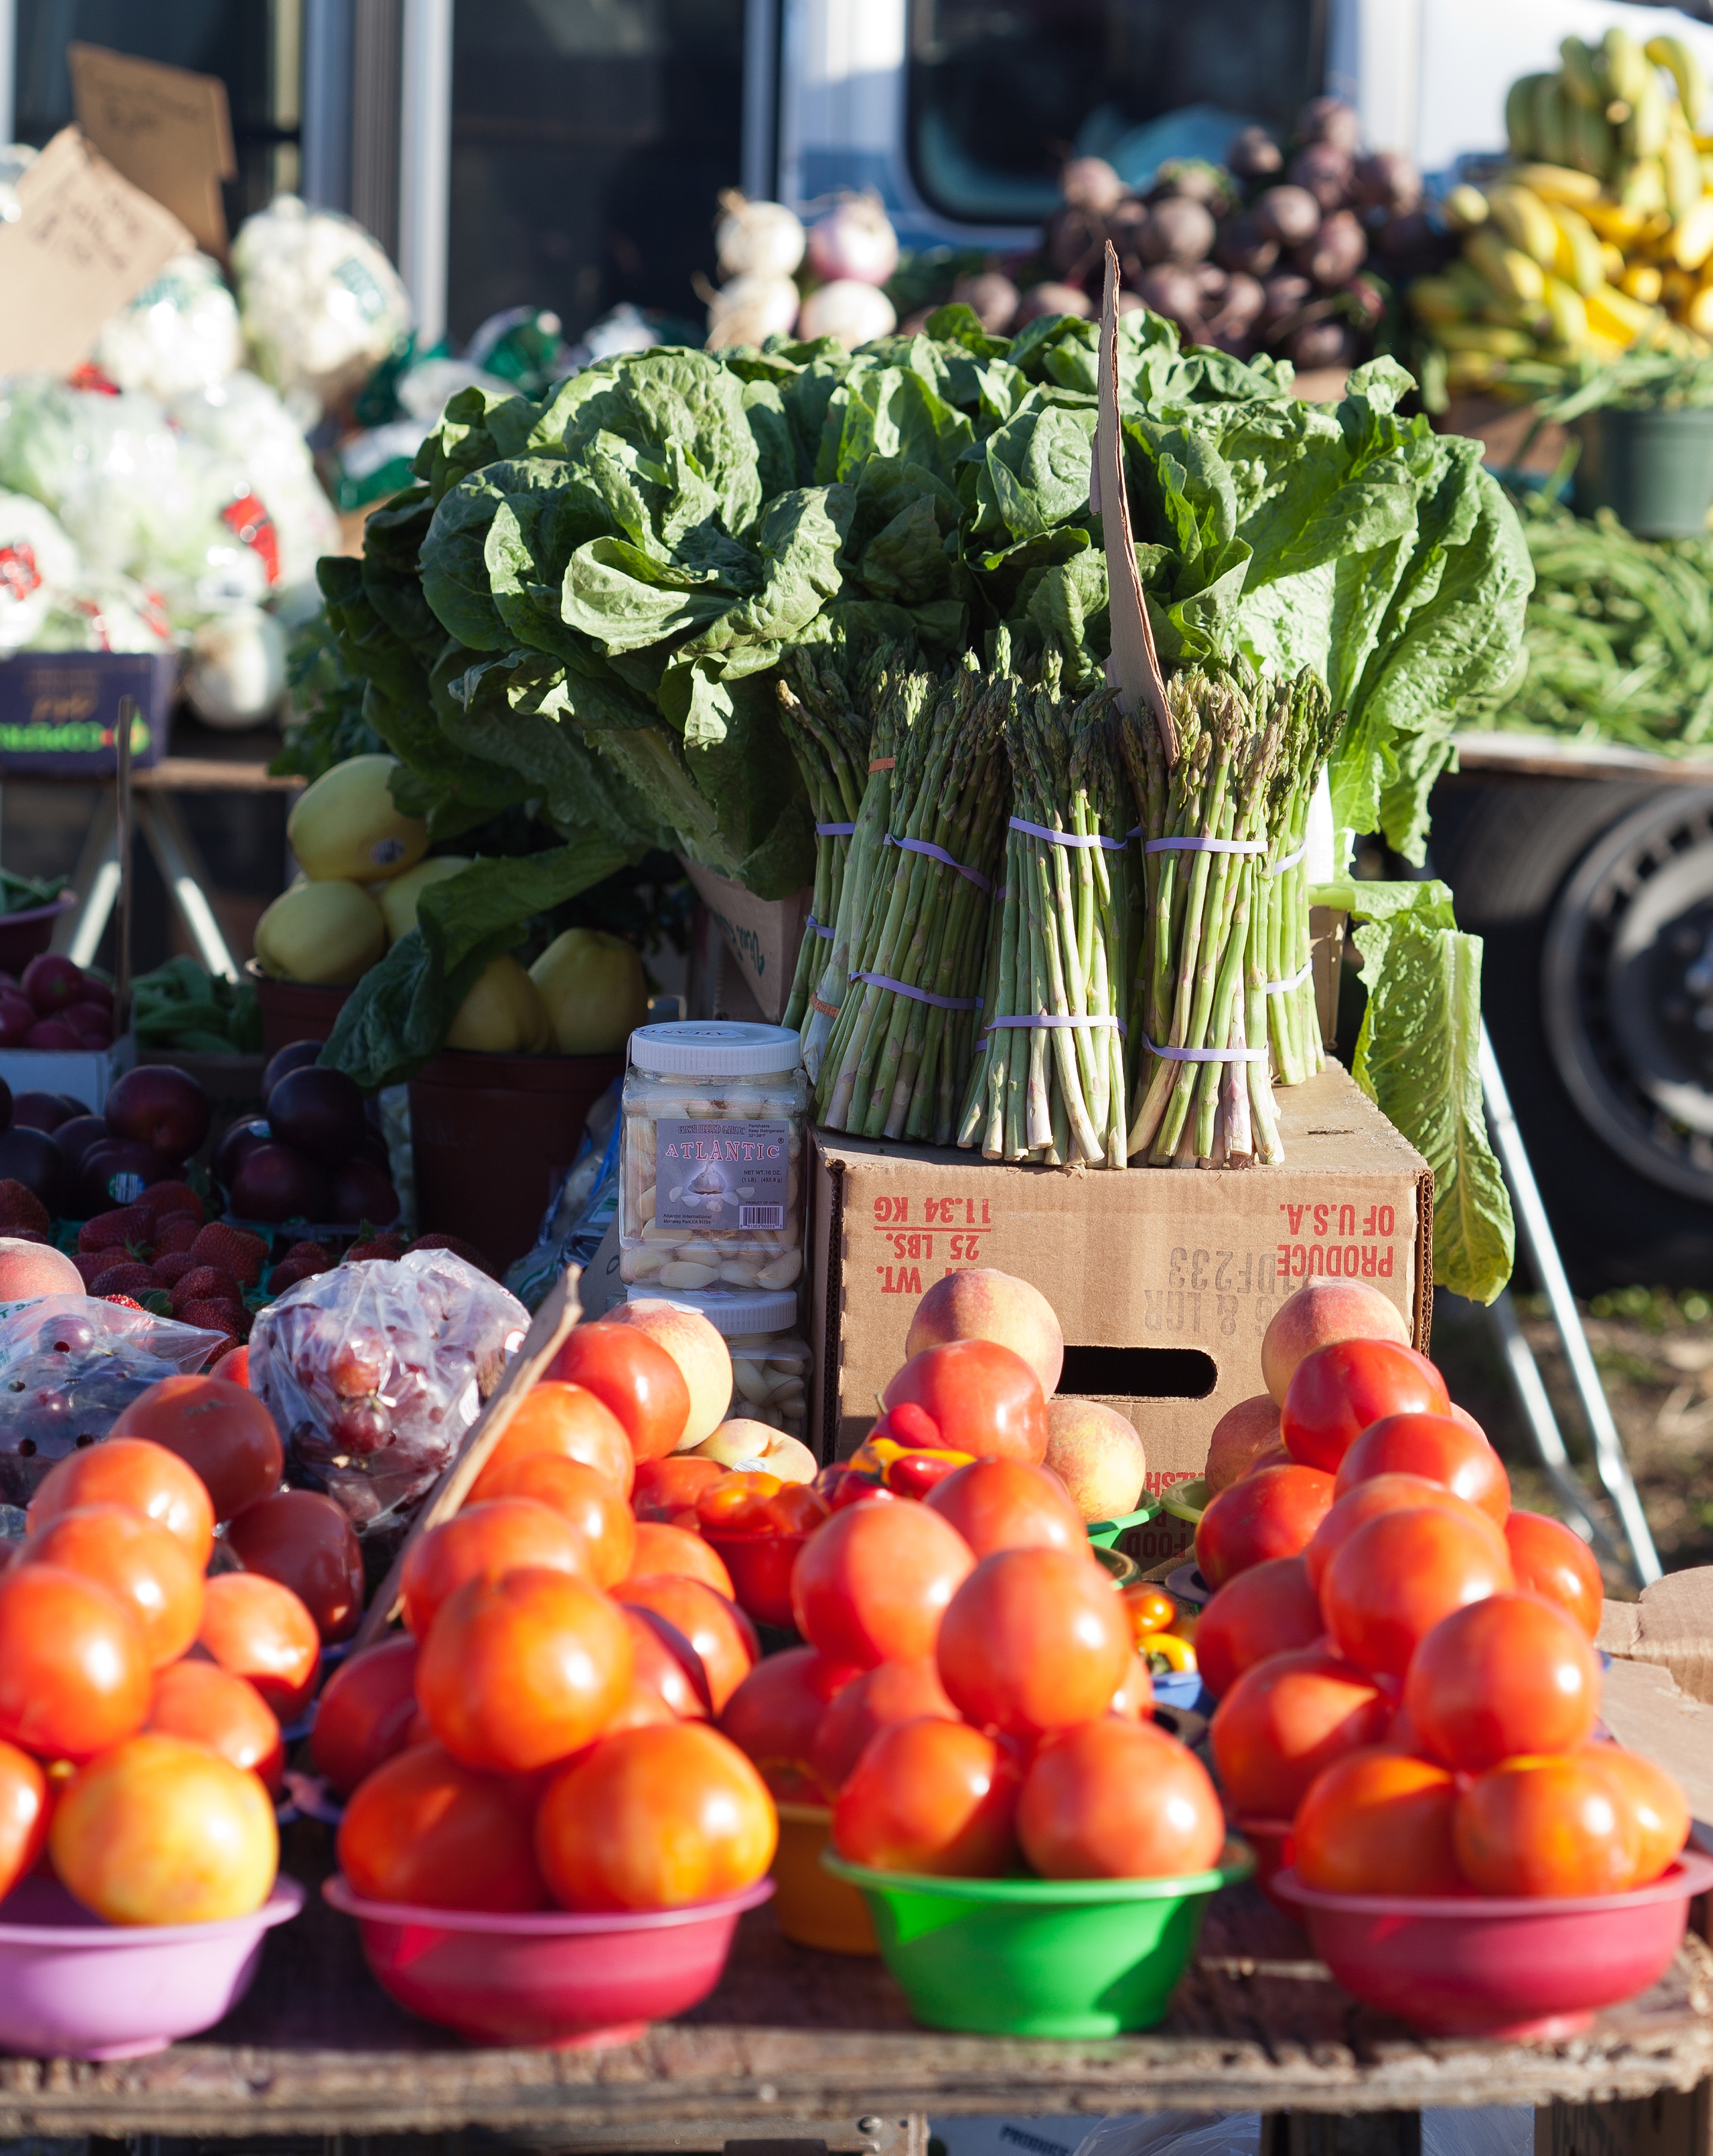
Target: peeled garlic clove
column 669, row 1238
column 750, row 1379
column 700, row 1254
column 782, row 1272
column 736, row 1275
column 679, row 1274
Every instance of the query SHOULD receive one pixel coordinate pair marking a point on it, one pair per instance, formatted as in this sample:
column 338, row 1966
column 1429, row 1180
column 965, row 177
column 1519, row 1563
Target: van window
column 1002, row 91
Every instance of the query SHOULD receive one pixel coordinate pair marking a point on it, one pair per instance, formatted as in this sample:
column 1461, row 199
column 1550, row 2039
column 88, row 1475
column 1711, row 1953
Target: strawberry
column 205, row 1283
column 317, row 1256
column 384, row 1247
column 21, row 1211
column 459, row 1249
column 162, row 1199
column 125, row 1225
column 28, row 1235
column 231, row 1319
column 124, row 1302
column 92, row 1264
column 290, row 1271
column 232, row 1250
column 172, row 1268
column 175, row 1232
column 127, row 1277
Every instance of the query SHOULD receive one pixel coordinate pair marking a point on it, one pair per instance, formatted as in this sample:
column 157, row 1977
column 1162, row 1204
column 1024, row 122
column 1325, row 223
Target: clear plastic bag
column 322, row 306
column 373, row 1372
column 180, row 332
column 581, row 1210
column 68, row 1364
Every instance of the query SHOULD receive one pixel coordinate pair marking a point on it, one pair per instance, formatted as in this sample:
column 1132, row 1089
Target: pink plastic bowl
column 72, row 1987
column 1270, row 1839
column 1488, row 1966
column 553, row 1978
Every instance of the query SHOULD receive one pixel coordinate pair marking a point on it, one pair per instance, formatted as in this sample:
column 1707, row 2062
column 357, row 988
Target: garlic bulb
column 852, row 312
column 757, row 239
column 750, row 309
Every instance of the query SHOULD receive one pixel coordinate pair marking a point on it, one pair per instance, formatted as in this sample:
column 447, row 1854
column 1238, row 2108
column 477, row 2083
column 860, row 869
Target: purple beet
column 295, row 1056
column 320, row 1112
column 361, row 1191
column 43, row 1112
column 117, row 1171
column 276, row 1181
column 31, row 1157
column 236, row 1139
column 78, row 1134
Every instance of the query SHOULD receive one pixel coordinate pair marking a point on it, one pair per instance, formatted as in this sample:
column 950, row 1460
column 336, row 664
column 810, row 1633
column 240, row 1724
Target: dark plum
column 43, row 1112
column 159, row 1105
column 77, row 1134
column 320, row 1112
column 238, row 1139
column 361, row 1191
column 114, row 1172
column 276, row 1181
column 52, row 983
column 295, row 1056
column 31, row 1157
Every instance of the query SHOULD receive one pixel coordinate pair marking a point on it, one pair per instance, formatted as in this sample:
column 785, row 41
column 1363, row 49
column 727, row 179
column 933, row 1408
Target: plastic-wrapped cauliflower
column 243, row 420
column 37, row 562
column 179, row 333
column 321, row 305
column 105, row 614
column 236, row 672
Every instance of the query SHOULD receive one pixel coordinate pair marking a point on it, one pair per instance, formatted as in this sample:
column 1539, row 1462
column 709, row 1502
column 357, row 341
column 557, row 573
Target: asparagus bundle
column 1293, row 1020
column 1214, row 821
column 829, row 738
column 897, row 691
column 1048, row 1083
column 895, row 1064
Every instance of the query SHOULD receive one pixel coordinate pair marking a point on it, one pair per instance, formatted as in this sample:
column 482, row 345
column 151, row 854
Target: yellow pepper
column 1178, row 1654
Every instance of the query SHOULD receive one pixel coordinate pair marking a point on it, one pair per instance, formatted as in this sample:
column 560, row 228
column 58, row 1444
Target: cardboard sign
column 762, row 934
column 1672, row 1626
column 87, row 241
column 168, row 131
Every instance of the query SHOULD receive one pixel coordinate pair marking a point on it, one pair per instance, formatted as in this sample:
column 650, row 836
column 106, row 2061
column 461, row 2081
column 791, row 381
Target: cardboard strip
column 1133, row 667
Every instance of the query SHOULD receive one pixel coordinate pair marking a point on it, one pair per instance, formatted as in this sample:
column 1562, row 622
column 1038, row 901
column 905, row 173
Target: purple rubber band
column 1290, row 860
column 819, row 927
column 833, row 830
column 1034, row 1024
column 919, row 995
column 1296, row 981
column 1208, row 1055
column 939, row 854
column 1205, row 846
column 1067, row 838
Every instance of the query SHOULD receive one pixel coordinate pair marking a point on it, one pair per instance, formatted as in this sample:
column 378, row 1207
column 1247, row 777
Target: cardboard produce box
column 1671, row 1626
column 1164, row 1279
column 762, row 934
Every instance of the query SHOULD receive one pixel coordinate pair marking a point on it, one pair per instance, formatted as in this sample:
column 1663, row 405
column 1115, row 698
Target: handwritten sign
column 168, row 131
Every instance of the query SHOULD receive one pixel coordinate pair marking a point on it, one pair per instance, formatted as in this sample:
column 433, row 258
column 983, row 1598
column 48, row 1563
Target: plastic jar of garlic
column 770, row 1360
column 711, row 1158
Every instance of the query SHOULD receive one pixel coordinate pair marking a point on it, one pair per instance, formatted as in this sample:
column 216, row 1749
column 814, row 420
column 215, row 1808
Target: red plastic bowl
column 760, row 1566
column 1270, row 1839
column 25, row 936
column 553, row 1978
column 1500, row 1966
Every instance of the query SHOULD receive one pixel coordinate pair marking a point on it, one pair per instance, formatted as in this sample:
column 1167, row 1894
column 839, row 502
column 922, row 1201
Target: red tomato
column 486, row 1541
column 930, row 1796
column 1437, row 1448
column 1008, row 1504
column 667, row 1489
column 1272, row 1512
column 1384, row 1493
column 1266, row 1610
column 521, row 1671
column 736, row 1504
column 206, row 1705
column 1287, row 1719
column 305, row 1542
column 1118, row 1800
column 220, row 1429
column 660, row 1549
column 720, row 1634
column 1399, row 1574
column 982, row 1399
column 1035, row 1640
column 1655, row 1805
column 872, row 1582
column 1134, row 1700
column 634, row 1376
column 578, row 1494
column 74, row 1668
column 568, row 1419
column 890, row 1692
column 130, row 1470
column 24, row 1815
column 1547, row 1826
column 1510, row 1674
column 1337, row 1391
column 425, row 1831
column 1548, row 1559
column 258, row 1630
column 667, row 1663
column 654, row 1819
column 364, row 1713
column 773, row 1717
column 144, row 1563
column 1379, row 1822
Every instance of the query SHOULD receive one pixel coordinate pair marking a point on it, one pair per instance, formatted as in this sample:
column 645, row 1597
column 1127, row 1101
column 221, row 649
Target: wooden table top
column 796, row 2043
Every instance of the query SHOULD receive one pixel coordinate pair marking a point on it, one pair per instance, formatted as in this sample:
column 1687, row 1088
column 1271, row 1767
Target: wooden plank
column 1540, row 756
column 210, row 774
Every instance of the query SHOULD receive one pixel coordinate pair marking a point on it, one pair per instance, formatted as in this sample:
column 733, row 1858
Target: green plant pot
column 1654, row 469
column 1103, row 1533
column 1066, row 1958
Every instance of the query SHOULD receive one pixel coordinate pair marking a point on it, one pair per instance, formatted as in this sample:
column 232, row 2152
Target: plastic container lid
column 714, row 1048
column 773, row 1311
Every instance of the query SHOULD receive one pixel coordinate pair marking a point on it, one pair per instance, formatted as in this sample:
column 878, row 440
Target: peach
column 1275, row 1456
column 1241, row 1433
column 699, row 1353
column 1320, row 1314
column 1097, row 1455
column 981, row 1303
column 27, row 1270
column 741, row 1443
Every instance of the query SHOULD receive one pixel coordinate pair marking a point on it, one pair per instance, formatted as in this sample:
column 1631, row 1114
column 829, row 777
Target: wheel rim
column 1627, row 990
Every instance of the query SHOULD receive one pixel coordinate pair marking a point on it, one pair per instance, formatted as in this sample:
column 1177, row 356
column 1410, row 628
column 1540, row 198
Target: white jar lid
column 771, row 1310
column 714, row 1048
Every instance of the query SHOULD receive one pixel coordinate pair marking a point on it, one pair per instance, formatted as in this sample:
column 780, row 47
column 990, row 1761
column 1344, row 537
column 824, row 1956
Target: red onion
column 848, row 309
column 854, row 242
column 993, row 297
column 1177, row 230
column 1337, row 252
column 1290, row 215
column 1254, row 155
column 1330, row 120
column 1051, row 300
column 1324, row 170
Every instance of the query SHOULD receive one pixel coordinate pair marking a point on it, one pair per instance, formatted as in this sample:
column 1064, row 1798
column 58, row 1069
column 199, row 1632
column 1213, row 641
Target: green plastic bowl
column 1103, row 1533
column 1068, row 1958
column 1187, row 1501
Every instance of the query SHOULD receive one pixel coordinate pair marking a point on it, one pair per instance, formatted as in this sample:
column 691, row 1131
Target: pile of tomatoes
column 1404, row 1664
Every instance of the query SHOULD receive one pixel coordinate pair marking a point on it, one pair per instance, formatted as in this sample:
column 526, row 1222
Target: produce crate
column 1163, row 1281
column 59, row 710
column 86, row 1074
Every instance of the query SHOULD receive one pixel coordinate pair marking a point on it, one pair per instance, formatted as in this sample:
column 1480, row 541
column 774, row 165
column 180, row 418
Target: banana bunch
column 1599, row 235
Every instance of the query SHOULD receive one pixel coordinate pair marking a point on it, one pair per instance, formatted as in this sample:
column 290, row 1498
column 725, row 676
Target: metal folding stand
column 1534, row 1231
column 158, row 818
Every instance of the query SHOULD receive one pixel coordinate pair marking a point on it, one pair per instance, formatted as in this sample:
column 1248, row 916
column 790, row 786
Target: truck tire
column 1595, row 900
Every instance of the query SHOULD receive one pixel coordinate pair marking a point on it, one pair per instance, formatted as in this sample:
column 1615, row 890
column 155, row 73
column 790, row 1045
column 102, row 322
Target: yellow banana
column 1700, row 313
column 1683, row 170
column 1486, row 336
column 1678, row 287
column 1673, row 54
column 1472, row 369
column 1578, row 257
column 1436, row 300
column 1692, row 236
column 1520, row 114
column 1526, row 222
column 1614, row 314
column 1580, row 82
column 1552, row 120
column 1570, row 315
column 1612, row 262
column 1642, row 282
column 1624, row 66
column 1643, row 134
column 1466, row 207
column 1614, row 222
column 1512, row 275
column 1554, row 183
column 1642, row 189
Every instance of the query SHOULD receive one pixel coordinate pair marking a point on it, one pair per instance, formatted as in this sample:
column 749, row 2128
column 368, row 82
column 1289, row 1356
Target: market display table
column 795, row 2045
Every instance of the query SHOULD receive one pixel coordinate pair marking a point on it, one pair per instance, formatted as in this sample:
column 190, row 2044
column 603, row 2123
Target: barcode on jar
column 761, row 1216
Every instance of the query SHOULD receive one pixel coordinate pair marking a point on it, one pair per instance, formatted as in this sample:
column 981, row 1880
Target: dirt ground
column 1654, row 1352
